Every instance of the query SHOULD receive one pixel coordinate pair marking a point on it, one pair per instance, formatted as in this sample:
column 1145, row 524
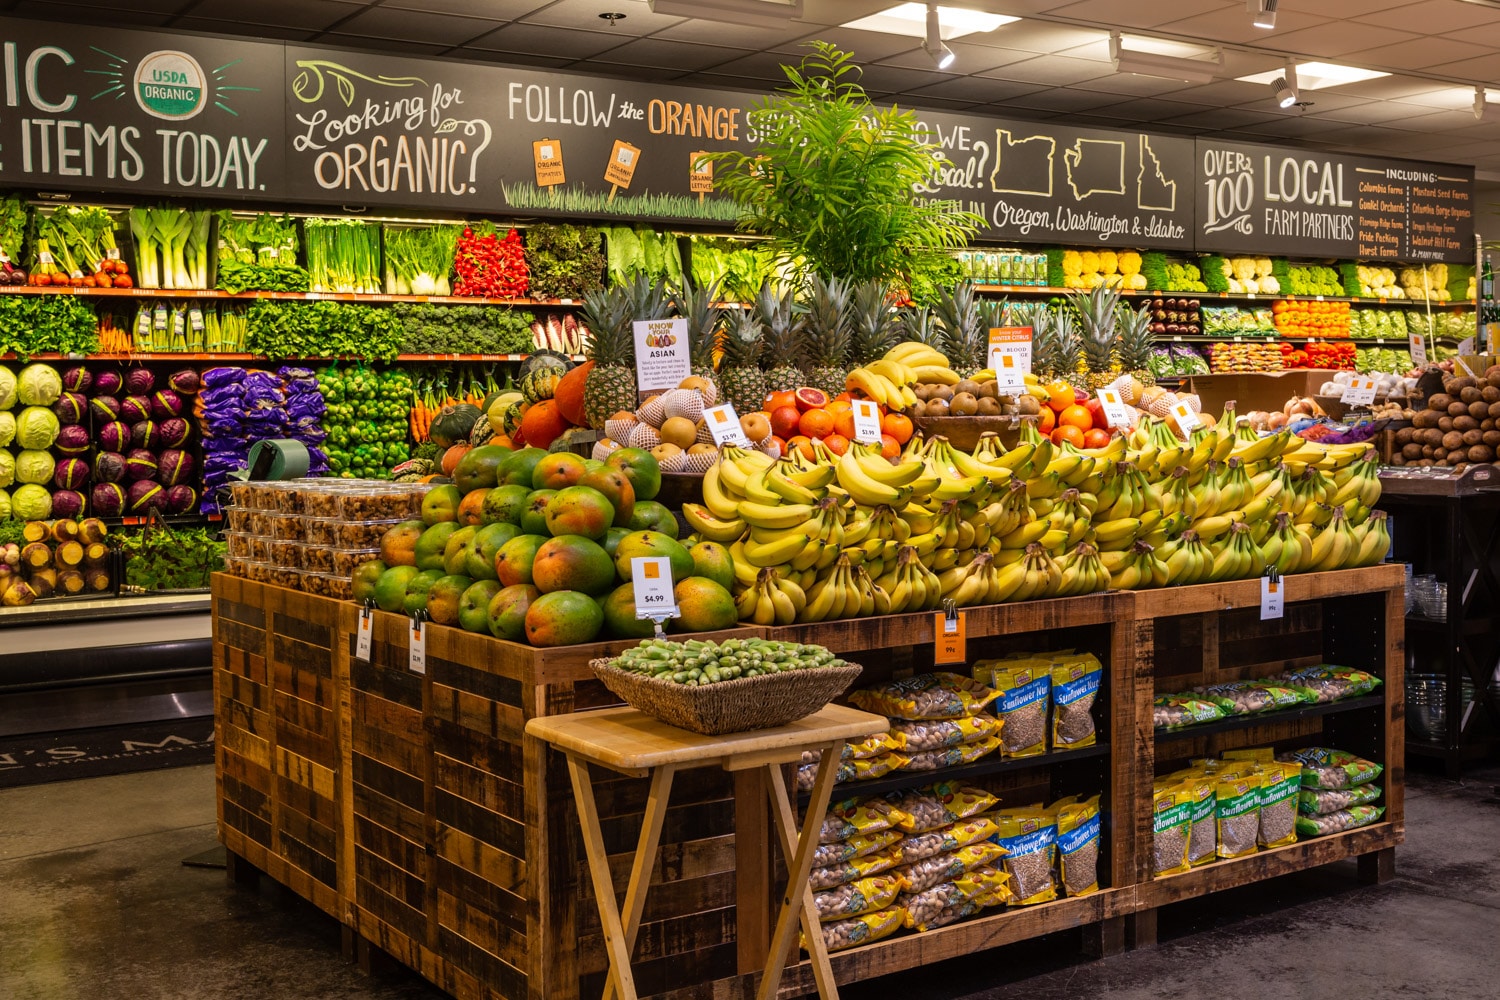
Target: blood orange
column 1096, row 438
column 784, row 421
column 836, row 443
column 1068, row 433
column 809, row 398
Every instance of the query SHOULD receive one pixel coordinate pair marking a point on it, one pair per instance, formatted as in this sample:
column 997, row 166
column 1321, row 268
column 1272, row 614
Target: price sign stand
column 866, row 422
column 654, row 597
column 416, row 648
column 1272, row 595
column 365, row 636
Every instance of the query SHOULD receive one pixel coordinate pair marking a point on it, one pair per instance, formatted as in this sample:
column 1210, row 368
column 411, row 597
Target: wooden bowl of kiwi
column 964, row 432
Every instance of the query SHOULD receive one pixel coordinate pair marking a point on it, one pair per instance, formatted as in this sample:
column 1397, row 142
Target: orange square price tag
column 700, row 173
column 951, row 642
column 623, row 159
column 546, row 155
column 724, row 425
column 1272, row 598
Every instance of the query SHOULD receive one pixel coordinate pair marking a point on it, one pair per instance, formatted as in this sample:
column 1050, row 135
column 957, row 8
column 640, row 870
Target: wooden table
column 632, row 743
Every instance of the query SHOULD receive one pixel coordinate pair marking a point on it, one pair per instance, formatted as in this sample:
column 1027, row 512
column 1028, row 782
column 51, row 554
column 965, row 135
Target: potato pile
column 1457, row 428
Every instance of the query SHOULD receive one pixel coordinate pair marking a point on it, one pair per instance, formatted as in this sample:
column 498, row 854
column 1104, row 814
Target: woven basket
column 736, row 706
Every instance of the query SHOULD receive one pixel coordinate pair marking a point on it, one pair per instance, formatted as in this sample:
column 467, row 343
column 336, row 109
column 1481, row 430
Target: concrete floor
column 96, row 905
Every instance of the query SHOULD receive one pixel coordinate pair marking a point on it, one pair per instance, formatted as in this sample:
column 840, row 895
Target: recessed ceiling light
column 1318, row 75
column 612, row 16
column 911, row 19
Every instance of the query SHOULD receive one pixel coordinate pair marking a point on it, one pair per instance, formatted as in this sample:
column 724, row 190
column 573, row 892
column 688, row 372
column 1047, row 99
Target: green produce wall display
column 365, row 419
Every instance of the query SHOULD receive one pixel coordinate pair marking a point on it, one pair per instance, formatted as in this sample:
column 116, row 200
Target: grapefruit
column 809, row 398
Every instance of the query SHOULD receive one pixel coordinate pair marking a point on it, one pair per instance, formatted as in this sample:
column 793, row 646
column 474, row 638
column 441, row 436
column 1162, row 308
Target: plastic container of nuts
column 237, row 544
column 319, row 530
column 345, row 561
column 316, row 558
column 237, row 518
column 326, row 585
column 397, row 502
column 361, row 535
column 288, row 554
column 286, row 527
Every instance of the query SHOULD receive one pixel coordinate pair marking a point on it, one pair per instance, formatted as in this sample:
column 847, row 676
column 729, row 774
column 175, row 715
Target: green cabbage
column 7, row 388
column 36, row 427
column 39, row 385
column 4, row 506
column 7, row 427
column 7, row 469
column 34, row 467
column 31, row 503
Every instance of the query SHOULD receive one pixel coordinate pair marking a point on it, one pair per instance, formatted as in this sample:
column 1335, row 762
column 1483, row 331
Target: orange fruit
column 1069, row 433
column 898, row 426
column 816, row 423
column 836, row 443
column 1060, row 395
column 779, row 445
column 808, row 398
column 1095, row 438
column 839, row 405
column 1046, row 421
column 1076, row 416
column 776, row 400
column 843, row 423
column 802, row 444
column 784, row 421
column 889, row 447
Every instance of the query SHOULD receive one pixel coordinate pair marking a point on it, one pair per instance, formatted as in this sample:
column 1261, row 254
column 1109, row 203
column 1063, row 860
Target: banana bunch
column 1039, row 454
column 952, row 474
column 1236, row 556
column 910, row 584
column 1082, row 572
column 848, row 592
column 868, row 479
column 773, row 600
column 1374, row 541
column 887, row 381
column 1358, row 482
column 1135, row 568
column 1190, row 561
column 1286, row 548
column 1335, row 546
column 923, row 362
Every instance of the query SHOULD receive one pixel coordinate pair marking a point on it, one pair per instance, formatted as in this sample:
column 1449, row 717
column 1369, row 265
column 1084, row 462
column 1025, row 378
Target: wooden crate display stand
column 414, row 809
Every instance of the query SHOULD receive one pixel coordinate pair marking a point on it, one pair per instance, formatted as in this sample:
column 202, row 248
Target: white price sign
column 654, row 596
column 1114, row 408
column 661, row 354
column 1187, row 420
column 1010, row 355
column 366, row 632
column 416, row 649
column 724, row 425
column 1418, row 350
column 1466, row 346
column 1272, row 599
column 1360, row 392
column 866, row 422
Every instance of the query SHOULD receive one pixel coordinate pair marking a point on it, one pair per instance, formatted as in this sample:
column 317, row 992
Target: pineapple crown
column 609, row 312
column 1096, row 310
column 1136, row 338
column 783, row 319
column 965, row 338
column 827, row 333
column 873, row 321
column 704, row 319
column 742, row 340
column 1065, row 345
column 918, row 325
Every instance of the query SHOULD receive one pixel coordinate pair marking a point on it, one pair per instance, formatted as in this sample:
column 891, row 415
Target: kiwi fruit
column 966, row 385
column 991, row 390
column 963, row 404
column 943, row 392
column 1027, row 403
column 988, row 406
column 936, row 407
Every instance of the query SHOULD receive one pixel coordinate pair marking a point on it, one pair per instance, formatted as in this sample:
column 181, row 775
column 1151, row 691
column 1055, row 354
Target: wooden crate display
column 277, row 729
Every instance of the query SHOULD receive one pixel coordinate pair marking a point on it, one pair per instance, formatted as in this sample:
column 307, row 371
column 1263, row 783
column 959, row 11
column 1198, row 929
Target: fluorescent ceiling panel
column 911, row 19
column 1317, row 75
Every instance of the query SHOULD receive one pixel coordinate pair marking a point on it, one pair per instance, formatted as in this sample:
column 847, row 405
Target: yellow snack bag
column 920, row 876
column 1078, row 845
column 874, row 892
column 1260, row 755
column 871, row 746
column 858, row 846
column 950, row 838
column 939, row 805
column 964, row 753
column 856, row 817
column 1171, row 821
column 938, row 734
column 1238, row 811
column 866, row 928
column 1029, row 837
column 869, row 768
column 855, row 869
column 1203, row 836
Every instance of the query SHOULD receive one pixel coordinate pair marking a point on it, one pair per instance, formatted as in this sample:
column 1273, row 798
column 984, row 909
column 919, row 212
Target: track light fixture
column 1480, row 99
column 933, row 44
column 1263, row 12
column 1165, row 67
column 1285, row 87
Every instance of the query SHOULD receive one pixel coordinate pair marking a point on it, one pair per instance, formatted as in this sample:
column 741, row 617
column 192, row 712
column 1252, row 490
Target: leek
column 418, row 260
column 171, row 247
column 343, row 255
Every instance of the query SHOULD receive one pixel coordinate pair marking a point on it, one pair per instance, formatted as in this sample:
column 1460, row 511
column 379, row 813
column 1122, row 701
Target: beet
column 108, row 499
column 186, row 382
column 174, row 467
column 174, row 432
column 145, row 435
column 108, row 383
column 145, row 495
column 71, row 474
column 135, row 409
column 109, row 467
column 67, row 504
column 139, row 382
column 71, row 408
column 140, row 464
column 73, row 439
column 77, row 379
column 113, row 436
column 180, row 499
column 104, row 408
column 165, row 403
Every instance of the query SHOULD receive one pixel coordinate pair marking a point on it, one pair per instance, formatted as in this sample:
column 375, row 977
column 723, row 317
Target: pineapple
column 918, row 326
column 1069, row 345
column 1136, row 342
column 1045, row 351
column 826, row 338
column 966, row 339
column 1096, row 313
column 609, row 312
column 740, row 377
column 704, row 325
column 873, row 325
column 783, row 321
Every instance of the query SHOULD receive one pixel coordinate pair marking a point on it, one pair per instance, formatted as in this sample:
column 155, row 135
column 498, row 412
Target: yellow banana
column 719, row 504
column 710, row 527
column 934, row 374
column 883, row 471
column 761, row 515
column 786, row 489
column 906, row 351
column 897, row 372
column 864, row 489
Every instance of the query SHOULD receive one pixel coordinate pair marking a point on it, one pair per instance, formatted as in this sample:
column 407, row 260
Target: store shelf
column 218, row 295
column 1266, row 864
column 1269, row 718
column 1207, row 297
column 1431, row 626
column 104, row 608
column 995, row 764
column 174, row 356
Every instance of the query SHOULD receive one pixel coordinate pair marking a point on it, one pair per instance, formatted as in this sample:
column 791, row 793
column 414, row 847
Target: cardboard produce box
column 1257, row 390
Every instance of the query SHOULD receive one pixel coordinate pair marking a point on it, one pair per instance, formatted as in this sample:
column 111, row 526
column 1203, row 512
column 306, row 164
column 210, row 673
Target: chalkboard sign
column 1265, row 200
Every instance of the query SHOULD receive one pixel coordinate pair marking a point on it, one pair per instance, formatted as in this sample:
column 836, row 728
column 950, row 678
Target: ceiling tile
column 759, row 66
column 1479, row 34
column 494, row 10
column 1051, row 70
column 976, row 89
column 1485, row 68
column 1139, row 15
column 1346, row 9
column 1232, row 24
column 1041, row 36
column 547, row 42
column 1134, row 85
column 1371, row 113
column 1417, row 53
column 867, row 46
column 1224, row 93
column 585, row 14
column 744, row 36
column 437, row 29
column 239, row 28
column 141, row 6
column 1061, row 99
column 1446, row 97
column 401, row 46
column 1434, row 17
column 47, row 10
column 1221, row 118
column 970, row 59
column 1286, row 128
column 680, row 56
column 311, row 14
column 527, row 59
column 1150, row 111
column 893, row 79
column 1337, row 38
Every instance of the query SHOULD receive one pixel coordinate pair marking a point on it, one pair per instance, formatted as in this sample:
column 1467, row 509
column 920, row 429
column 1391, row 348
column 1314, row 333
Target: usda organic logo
column 170, row 85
